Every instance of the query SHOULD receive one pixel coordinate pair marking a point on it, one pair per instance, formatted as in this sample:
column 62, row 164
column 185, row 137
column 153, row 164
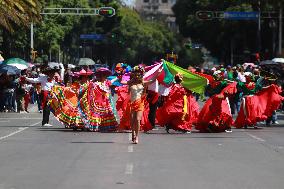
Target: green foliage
column 218, row 34
column 190, row 57
column 127, row 36
column 150, row 40
column 18, row 13
column 39, row 60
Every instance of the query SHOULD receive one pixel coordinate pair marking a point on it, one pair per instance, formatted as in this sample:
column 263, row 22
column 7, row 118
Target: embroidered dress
column 96, row 109
column 64, row 105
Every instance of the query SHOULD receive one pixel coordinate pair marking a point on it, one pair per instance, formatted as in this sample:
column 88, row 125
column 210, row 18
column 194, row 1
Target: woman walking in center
column 137, row 88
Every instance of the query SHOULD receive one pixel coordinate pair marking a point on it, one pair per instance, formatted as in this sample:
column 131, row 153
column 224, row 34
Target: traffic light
column 205, row 15
column 107, row 11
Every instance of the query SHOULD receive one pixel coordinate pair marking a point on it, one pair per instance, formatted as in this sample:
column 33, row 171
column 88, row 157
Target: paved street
column 32, row 157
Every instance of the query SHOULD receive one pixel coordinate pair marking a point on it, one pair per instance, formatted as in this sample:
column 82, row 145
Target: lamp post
column 280, row 30
column 259, row 29
column 272, row 25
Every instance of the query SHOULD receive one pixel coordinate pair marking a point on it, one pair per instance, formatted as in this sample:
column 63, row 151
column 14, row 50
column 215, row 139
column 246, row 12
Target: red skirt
column 259, row 106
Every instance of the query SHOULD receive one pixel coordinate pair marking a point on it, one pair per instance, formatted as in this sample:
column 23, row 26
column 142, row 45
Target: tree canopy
column 19, row 12
column 222, row 36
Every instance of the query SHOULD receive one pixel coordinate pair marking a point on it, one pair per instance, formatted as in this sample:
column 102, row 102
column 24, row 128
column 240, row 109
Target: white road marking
column 2, row 121
column 130, row 148
column 130, row 136
column 129, row 169
column 256, row 138
column 19, row 118
column 32, row 125
column 20, row 129
column 13, row 133
column 220, row 144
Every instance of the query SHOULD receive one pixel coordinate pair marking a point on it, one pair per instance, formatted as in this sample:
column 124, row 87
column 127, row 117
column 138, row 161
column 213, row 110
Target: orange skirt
column 137, row 105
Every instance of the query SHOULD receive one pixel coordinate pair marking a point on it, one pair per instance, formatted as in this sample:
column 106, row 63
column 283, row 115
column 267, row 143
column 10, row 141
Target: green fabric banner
column 191, row 81
column 168, row 78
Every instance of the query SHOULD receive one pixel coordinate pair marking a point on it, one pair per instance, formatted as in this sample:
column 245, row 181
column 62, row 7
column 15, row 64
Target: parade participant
column 215, row 115
column 180, row 110
column 64, row 101
column 152, row 98
column 136, row 110
column 95, row 104
column 216, row 86
column 47, row 82
column 247, row 89
column 259, row 107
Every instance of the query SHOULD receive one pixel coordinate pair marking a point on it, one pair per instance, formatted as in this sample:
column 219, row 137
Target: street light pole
column 32, row 36
column 259, row 29
column 280, row 30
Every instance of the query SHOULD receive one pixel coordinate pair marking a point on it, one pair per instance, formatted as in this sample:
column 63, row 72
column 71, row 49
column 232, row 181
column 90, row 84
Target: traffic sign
column 97, row 37
column 241, row 15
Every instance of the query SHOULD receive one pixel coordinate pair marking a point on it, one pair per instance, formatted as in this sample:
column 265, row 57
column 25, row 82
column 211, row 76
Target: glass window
column 146, row 1
column 164, row 1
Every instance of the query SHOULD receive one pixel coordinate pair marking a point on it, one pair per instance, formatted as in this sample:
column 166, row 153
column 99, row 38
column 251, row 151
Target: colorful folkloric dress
column 64, row 105
column 215, row 115
column 96, row 108
column 258, row 107
column 179, row 111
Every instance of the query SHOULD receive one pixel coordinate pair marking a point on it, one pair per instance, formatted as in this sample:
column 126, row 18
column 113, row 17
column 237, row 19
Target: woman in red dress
column 180, row 110
column 215, row 115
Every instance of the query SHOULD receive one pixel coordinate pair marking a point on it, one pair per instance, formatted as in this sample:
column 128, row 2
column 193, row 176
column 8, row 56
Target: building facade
column 157, row 10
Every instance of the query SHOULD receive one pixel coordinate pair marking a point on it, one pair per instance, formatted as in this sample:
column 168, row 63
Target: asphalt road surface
column 33, row 157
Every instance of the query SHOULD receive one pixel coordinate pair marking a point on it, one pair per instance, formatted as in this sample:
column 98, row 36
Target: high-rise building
column 157, row 10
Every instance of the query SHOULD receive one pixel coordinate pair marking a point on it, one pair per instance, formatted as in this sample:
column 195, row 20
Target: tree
column 144, row 41
column 19, row 12
column 222, row 36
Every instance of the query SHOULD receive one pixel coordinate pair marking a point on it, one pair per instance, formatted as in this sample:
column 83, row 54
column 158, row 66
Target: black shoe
column 168, row 129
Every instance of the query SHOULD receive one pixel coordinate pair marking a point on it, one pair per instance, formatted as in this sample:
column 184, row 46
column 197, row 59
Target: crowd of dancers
column 159, row 95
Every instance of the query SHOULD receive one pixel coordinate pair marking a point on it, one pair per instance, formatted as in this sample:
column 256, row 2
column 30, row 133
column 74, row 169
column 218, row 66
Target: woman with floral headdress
column 136, row 88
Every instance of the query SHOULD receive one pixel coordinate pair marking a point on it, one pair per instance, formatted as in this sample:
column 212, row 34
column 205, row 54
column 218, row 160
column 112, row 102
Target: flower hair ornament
column 179, row 75
column 178, row 78
column 139, row 69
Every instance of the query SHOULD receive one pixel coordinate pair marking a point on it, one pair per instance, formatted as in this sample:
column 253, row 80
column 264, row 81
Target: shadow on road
column 211, row 137
column 92, row 142
column 57, row 130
